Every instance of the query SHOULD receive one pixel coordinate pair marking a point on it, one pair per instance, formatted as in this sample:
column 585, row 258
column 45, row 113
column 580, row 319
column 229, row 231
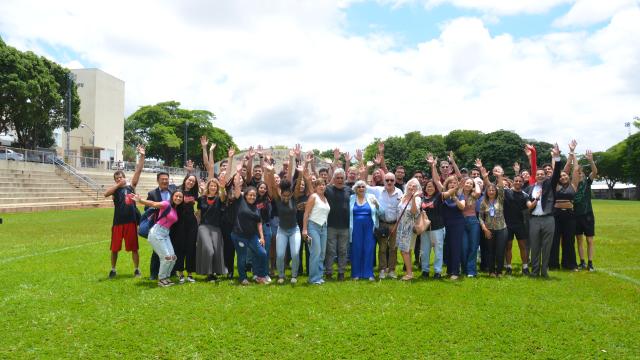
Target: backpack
column 150, row 218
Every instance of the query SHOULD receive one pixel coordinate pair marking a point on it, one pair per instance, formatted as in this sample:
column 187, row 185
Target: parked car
column 6, row 139
column 8, row 154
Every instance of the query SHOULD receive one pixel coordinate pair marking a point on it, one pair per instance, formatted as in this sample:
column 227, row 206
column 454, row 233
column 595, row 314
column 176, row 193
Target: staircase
column 27, row 187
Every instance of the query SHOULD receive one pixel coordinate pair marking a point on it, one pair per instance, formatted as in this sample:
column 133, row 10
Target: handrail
column 69, row 170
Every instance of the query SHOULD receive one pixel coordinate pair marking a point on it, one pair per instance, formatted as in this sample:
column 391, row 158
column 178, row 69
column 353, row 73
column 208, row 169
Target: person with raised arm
column 565, row 221
column 515, row 206
column 159, row 237
column 314, row 230
column 492, row 220
column 184, row 233
column 228, row 217
column 125, row 216
column 454, row 225
column 409, row 210
column 585, row 221
column 210, row 244
column 542, row 224
column 434, row 236
column 363, row 220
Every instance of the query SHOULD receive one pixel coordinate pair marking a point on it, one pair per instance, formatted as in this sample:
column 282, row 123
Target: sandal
column 407, row 278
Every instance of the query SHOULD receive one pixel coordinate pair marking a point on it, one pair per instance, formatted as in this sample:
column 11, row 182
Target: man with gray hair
column 338, row 196
column 389, row 197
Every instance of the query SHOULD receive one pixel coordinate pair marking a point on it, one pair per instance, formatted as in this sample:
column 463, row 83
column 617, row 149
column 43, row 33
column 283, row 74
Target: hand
column 305, row 233
column 430, row 160
column 297, row 150
column 555, row 152
column 251, row 153
column 478, row 163
column 300, row 168
column 201, row 185
column 380, row 147
column 212, row 147
column 487, row 233
column 347, row 158
column 572, row 145
column 141, row 150
column 267, row 163
column 259, row 150
column 336, row 153
column 378, row 159
column 527, row 150
column 262, row 242
column 231, row 152
column 189, row 166
column 516, row 167
column 451, row 157
column 222, row 178
column 588, row 155
column 204, row 141
column 359, row 155
column 308, row 158
column 483, row 172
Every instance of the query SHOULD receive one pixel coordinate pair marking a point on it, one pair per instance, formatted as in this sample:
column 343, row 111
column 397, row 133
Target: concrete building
column 101, row 134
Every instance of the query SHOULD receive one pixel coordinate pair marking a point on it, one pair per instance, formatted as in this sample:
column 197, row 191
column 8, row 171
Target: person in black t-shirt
column 125, row 215
column 210, row 245
column 515, row 201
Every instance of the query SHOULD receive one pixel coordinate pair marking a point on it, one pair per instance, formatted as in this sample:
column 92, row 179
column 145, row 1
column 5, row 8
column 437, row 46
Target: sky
column 340, row 73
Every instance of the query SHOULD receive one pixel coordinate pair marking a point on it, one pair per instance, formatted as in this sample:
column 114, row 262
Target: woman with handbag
column 434, row 236
column 159, row 233
column 409, row 208
column 210, row 246
column 364, row 213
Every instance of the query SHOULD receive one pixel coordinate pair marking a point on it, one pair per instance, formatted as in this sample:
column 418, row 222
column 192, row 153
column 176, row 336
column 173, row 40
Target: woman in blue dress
column 364, row 214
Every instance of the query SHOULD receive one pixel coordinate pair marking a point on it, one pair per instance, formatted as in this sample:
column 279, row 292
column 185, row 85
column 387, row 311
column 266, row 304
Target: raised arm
column 139, row 166
column 575, row 172
column 452, row 161
column 530, row 151
column 230, row 153
column 594, row 169
column 483, row 172
column 249, row 162
column 274, row 191
column 237, row 182
column 148, row 203
column 572, row 156
column 433, row 162
column 382, row 164
column 205, row 157
column 211, row 167
column 555, row 154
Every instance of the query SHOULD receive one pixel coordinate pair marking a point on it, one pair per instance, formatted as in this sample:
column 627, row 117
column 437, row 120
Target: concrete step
column 69, row 205
column 37, row 194
column 46, row 199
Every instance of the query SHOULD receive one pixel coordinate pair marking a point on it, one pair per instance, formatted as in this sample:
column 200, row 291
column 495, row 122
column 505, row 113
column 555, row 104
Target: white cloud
column 502, row 7
column 590, row 12
column 286, row 72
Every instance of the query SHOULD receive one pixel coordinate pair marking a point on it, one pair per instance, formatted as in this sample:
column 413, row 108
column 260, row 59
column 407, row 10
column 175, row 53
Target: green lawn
column 58, row 303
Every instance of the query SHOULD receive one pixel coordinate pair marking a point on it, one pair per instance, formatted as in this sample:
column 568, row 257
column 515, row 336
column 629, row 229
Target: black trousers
column 229, row 249
column 565, row 237
column 495, row 250
column 184, row 235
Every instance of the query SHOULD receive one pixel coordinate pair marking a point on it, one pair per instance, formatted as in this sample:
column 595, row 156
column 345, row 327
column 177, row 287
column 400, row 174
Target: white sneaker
column 294, row 280
column 392, row 274
column 382, row 274
column 267, row 279
column 281, row 281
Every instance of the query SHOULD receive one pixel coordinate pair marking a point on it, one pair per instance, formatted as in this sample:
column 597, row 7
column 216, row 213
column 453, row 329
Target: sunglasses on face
column 360, row 187
column 389, row 180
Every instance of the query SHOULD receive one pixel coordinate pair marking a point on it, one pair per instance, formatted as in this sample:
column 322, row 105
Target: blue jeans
column 293, row 238
column 425, row 250
column 161, row 244
column 317, row 250
column 257, row 250
column 266, row 232
column 470, row 242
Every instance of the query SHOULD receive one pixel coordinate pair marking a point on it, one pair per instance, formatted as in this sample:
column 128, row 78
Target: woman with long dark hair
column 434, row 236
column 184, row 232
column 159, row 237
column 492, row 220
column 454, row 225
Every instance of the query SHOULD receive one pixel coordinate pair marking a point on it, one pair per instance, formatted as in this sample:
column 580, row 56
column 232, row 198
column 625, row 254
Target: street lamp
column 93, row 141
column 186, row 124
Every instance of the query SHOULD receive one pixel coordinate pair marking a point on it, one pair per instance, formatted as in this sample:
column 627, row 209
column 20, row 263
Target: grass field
column 57, row 302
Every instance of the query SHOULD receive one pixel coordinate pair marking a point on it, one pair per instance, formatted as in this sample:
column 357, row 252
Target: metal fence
column 36, row 156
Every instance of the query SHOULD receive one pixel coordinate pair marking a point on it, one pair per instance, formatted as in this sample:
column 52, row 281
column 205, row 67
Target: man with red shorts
column 125, row 216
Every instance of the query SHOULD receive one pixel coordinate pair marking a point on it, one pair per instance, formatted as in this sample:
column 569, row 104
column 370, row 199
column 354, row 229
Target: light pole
column 186, row 125
column 70, row 78
column 93, row 141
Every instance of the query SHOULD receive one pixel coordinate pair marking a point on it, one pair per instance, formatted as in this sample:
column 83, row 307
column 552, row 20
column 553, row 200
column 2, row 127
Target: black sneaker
column 137, row 274
column 509, row 271
column 590, row 266
column 525, row 271
column 425, row 275
column 328, row 277
column 112, row 274
column 582, row 265
column 212, row 278
column 340, row 277
column 437, row 276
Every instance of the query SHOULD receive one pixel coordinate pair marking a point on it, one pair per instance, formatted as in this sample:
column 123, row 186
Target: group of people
column 269, row 220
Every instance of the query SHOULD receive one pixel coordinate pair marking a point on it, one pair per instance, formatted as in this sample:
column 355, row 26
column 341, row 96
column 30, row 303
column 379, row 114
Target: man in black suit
column 542, row 224
column 161, row 193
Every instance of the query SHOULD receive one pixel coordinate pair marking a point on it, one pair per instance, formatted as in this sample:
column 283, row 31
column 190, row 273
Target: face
column 190, row 182
column 540, row 176
column 213, row 188
column 338, row 179
column 177, row 198
column 360, row 189
column 444, row 168
column 518, row 181
column 118, row 177
column 468, row 185
column 320, row 188
column 548, row 170
column 262, row 189
column 389, row 182
column 419, row 177
column 452, row 184
column 250, row 197
column 257, row 173
column 286, row 196
column 302, row 186
column 491, row 192
column 163, row 182
column 399, row 174
column 475, row 173
column 276, row 177
column 564, row 178
column 377, row 176
column 430, row 188
column 325, row 175
column 243, row 172
column 412, row 187
column 223, row 167
column 525, row 175
column 352, row 175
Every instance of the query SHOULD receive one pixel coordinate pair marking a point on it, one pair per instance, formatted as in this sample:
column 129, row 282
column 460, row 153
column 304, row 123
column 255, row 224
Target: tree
column 162, row 128
column 611, row 165
column 463, row 143
column 501, row 147
column 632, row 161
column 408, row 150
column 33, row 100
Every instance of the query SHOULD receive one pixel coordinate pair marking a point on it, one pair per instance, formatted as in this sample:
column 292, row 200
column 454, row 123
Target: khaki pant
column 387, row 254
